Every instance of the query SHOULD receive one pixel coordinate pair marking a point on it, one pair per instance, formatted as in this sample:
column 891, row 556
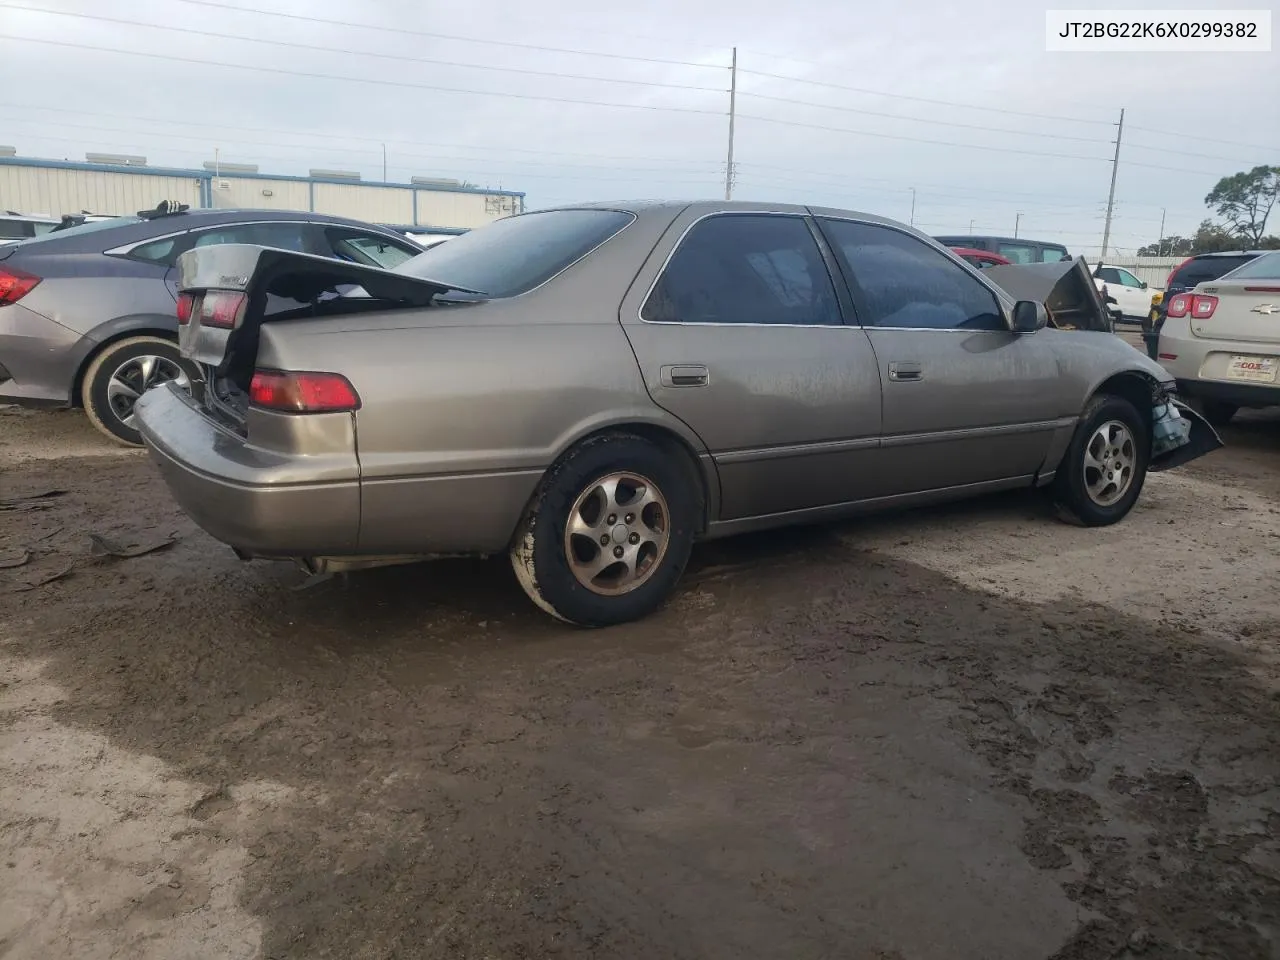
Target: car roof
column 998, row 239
column 1231, row 253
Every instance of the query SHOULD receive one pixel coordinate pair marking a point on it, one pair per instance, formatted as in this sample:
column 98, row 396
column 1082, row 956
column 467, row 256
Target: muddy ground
column 968, row 732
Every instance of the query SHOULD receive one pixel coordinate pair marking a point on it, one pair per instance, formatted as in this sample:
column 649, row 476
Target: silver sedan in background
column 592, row 389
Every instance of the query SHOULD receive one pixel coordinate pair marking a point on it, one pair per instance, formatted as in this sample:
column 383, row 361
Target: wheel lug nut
column 613, row 518
column 631, row 518
column 633, row 539
column 604, row 540
column 617, row 552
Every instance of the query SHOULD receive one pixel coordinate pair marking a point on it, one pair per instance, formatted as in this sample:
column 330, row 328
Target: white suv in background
column 1133, row 296
column 1221, row 340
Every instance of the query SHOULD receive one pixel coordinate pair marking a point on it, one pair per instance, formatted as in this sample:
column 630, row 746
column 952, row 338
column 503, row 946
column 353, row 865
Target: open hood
column 1066, row 288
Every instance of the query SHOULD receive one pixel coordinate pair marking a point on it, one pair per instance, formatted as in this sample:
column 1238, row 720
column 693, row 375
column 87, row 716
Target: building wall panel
column 247, row 192
column 53, row 191
column 362, row 202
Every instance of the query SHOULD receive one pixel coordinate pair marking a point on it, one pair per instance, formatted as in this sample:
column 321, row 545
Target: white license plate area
column 1254, row 369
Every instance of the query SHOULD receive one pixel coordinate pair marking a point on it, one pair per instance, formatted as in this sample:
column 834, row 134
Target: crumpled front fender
column 1202, row 439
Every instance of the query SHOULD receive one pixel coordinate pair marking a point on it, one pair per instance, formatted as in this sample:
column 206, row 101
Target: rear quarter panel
column 464, row 407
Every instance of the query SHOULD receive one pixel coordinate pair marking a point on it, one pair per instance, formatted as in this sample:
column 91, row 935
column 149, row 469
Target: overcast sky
column 1018, row 130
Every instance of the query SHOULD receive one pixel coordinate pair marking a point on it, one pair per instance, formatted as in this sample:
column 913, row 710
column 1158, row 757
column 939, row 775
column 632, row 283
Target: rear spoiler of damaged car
column 304, row 277
column 1066, row 288
column 227, row 291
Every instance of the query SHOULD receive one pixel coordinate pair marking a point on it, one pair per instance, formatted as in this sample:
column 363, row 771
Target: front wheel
column 121, row 373
column 608, row 533
column 1104, row 468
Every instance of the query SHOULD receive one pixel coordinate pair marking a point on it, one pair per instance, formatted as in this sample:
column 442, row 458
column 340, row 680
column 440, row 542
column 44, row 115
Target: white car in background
column 1221, row 340
column 1133, row 296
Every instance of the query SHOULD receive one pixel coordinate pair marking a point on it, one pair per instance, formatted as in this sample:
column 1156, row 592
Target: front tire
column 1105, row 466
column 120, row 373
column 608, row 532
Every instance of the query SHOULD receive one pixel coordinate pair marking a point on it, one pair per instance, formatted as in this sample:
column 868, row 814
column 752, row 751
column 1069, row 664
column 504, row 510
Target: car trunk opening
column 228, row 292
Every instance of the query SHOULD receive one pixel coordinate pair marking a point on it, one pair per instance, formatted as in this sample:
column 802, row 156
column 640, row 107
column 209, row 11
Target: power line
column 940, row 143
column 937, row 123
column 514, row 44
column 362, row 53
column 310, row 133
column 903, row 96
column 371, row 80
column 1216, row 139
column 1185, row 153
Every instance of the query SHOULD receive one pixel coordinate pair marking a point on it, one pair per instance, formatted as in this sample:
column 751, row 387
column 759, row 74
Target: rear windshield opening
column 509, row 257
column 1266, row 267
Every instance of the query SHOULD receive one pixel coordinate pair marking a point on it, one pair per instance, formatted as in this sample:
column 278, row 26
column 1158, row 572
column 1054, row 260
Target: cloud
column 664, row 130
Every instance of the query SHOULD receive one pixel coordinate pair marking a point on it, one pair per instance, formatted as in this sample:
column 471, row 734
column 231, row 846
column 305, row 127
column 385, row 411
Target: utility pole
column 1160, row 245
column 913, row 207
column 384, row 163
column 1017, row 223
column 733, row 110
column 1111, row 196
column 970, row 226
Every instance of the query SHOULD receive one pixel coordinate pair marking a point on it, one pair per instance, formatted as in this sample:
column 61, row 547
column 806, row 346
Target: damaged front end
column 1178, row 434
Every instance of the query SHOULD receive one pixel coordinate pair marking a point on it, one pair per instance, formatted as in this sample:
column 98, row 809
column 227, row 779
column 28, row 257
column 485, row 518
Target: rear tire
column 1218, row 412
column 120, row 373
column 1104, row 468
column 630, row 494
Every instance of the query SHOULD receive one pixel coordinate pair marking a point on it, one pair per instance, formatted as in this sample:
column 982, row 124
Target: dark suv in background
column 1011, row 248
column 88, row 314
column 1201, row 268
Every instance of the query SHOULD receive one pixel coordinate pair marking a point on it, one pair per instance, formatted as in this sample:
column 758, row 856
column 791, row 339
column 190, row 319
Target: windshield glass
column 512, row 256
column 91, row 227
column 1266, row 267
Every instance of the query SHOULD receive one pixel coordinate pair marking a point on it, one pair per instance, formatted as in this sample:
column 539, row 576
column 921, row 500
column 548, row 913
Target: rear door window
column 1019, row 252
column 746, row 269
column 370, row 249
column 283, row 235
column 1050, row 254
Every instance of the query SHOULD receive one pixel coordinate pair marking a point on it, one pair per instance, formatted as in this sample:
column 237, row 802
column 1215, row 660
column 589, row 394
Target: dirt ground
column 968, row 732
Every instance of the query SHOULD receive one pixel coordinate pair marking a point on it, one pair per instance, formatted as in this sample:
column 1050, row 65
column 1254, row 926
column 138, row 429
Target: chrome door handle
column 900, row 371
column 685, row 375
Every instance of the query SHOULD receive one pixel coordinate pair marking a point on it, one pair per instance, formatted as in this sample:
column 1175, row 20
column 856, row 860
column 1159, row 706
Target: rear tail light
column 216, row 308
column 15, row 284
column 1199, row 306
column 1202, row 306
column 1179, row 305
column 186, row 307
column 302, row 392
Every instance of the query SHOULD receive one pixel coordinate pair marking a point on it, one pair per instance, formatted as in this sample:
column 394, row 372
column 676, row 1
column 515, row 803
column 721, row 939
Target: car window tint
column 285, row 236
column 745, row 268
column 1018, row 252
column 1108, row 275
column 1204, row 269
column 1128, row 279
column 157, row 251
column 907, row 283
column 514, row 255
column 370, row 249
column 1266, row 267
column 1052, row 254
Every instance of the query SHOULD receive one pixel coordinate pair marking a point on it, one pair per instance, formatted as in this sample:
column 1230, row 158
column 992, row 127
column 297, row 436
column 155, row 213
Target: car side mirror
column 1029, row 316
column 1144, row 284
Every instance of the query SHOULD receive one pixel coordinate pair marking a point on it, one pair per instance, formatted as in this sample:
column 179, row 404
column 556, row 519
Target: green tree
column 1244, row 201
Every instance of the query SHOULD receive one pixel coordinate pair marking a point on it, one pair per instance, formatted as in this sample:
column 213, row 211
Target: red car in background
column 981, row 258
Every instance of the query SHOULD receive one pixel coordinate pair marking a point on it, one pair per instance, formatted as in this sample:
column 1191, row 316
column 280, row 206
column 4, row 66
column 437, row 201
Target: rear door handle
column 685, row 375
column 902, row 370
